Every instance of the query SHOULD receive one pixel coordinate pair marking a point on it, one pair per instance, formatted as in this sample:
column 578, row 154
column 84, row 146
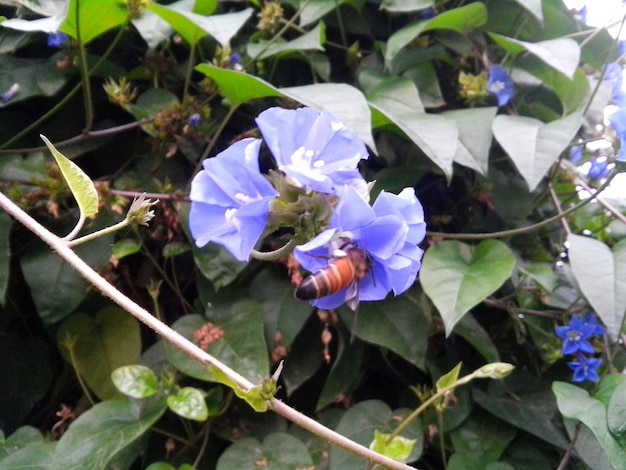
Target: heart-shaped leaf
column 136, row 381
column 457, row 276
column 189, row 403
column 279, row 451
column 532, row 145
column 100, row 345
column 601, row 275
column 310, row 41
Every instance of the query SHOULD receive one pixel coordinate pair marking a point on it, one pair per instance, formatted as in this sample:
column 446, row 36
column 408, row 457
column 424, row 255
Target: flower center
column 497, row 87
column 574, row 335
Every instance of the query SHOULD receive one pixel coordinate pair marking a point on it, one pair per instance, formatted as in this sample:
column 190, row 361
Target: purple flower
column 314, row 150
column 388, row 232
column 56, row 39
column 585, row 368
column 10, row 93
column 194, row 120
column 599, row 168
column 618, row 122
column 230, row 199
column 575, row 154
column 500, row 84
column 614, row 77
column 576, row 336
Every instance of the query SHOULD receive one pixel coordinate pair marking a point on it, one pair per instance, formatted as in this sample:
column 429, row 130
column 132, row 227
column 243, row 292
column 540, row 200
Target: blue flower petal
column 500, row 84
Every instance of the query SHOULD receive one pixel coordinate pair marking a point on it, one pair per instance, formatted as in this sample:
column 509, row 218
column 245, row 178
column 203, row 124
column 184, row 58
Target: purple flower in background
column 500, row 84
column 599, row 168
column 613, row 76
column 194, row 120
column 575, row 154
column 56, row 39
column 618, row 122
column 313, row 149
column 388, row 232
column 585, row 368
column 230, row 199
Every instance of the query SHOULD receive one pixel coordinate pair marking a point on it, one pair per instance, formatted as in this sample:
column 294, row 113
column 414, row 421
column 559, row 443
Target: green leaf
column 402, row 6
column 310, row 41
column 361, row 422
column 344, row 101
column 483, row 437
column 101, row 432
column 257, row 396
column 21, row 437
column 343, row 375
column 5, row 253
column 101, row 344
column 135, row 381
column 189, row 403
column 542, row 274
column 562, row 54
column 399, row 448
column 397, row 102
column 36, row 456
column 463, row 20
column 526, row 403
column 449, row 378
column 36, row 77
column 284, row 315
column 93, row 18
column 279, row 451
column 575, row 402
column 534, row 7
column 457, row 276
column 600, row 275
column 532, row 145
column 193, row 27
column 81, row 186
column 472, row 332
column 126, row 247
column 242, row 346
column 396, row 323
column 238, row 87
column 616, row 411
column 174, row 249
column 475, row 136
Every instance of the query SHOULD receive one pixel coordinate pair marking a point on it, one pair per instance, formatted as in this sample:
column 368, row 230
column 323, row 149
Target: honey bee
column 348, row 265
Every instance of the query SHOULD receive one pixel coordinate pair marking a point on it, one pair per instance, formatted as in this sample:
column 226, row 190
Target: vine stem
column 175, row 338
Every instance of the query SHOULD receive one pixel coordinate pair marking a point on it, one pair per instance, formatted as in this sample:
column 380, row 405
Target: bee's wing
column 352, row 295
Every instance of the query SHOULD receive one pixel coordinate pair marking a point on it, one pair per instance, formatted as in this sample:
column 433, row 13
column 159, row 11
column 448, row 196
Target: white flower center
column 230, row 213
column 497, row 87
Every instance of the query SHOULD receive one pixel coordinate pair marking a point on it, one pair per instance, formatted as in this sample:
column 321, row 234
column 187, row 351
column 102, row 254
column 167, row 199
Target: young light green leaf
column 80, row 184
column 92, row 19
column 399, row 448
column 448, row 379
column 136, row 381
column 457, row 276
column 253, row 396
column 126, row 247
column 532, row 145
column 189, row 403
column 601, row 275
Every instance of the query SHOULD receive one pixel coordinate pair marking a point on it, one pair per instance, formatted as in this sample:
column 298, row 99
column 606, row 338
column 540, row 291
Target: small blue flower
column 576, row 336
column 314, row 150
column 194, row 120
column 56, row 39
column 581, row 15
column 599, row 168
column 500, row 84
column 10, row 93
column 618, row 122
column 230, row 199
column 585, row 368
column 591, row 320
column 388, row 231
column 575, row 154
